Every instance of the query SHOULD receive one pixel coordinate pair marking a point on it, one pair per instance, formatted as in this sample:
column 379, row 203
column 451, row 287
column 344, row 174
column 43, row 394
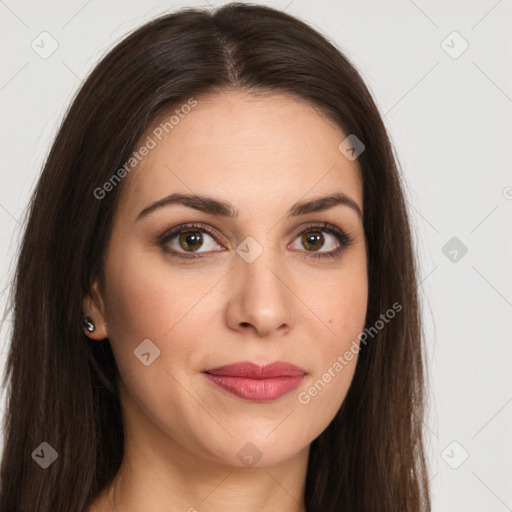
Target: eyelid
column 326, row 226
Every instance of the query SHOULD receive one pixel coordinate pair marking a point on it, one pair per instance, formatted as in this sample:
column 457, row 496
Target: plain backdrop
column 441, row 74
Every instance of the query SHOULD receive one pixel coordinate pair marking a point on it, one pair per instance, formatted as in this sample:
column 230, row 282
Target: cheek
column 348, row 311
column 149, row 298
column 342, row 304
column 343, row 308
column 335, row 361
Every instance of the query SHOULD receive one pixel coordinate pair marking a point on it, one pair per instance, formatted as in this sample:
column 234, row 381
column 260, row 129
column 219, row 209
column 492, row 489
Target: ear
column 93, row 307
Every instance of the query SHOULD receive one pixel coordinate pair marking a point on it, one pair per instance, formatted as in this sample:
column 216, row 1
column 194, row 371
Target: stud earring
column 88, row 324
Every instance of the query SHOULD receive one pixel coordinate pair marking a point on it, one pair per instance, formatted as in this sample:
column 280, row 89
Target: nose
column 261, row 298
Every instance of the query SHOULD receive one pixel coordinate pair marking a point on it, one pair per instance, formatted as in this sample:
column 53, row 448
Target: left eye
column 313, row 239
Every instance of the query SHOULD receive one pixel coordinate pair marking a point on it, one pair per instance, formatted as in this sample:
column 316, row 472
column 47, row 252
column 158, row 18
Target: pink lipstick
column 257, row 383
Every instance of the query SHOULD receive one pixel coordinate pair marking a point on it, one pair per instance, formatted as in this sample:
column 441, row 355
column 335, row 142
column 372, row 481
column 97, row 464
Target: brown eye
column 190, row 240
column 186, row 241
column 313, row 240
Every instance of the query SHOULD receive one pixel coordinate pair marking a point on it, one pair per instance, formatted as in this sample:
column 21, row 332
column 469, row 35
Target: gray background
column 448, row 114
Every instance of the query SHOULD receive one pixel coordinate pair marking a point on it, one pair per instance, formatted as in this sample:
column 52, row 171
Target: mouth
column 257, row 383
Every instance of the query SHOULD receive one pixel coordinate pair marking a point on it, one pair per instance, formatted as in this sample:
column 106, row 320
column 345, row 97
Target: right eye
column 188, row 239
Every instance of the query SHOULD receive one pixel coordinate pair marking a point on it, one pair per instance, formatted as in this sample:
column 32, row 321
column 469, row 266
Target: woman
column 215, row 303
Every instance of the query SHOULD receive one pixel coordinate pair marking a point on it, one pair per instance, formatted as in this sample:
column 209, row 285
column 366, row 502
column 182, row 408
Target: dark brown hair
column 62, row 389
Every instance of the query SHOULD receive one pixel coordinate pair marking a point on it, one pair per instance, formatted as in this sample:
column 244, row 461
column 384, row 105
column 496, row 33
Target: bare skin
column 183, row 434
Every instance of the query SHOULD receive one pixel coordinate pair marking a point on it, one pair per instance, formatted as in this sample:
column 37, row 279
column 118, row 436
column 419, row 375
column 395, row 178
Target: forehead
column 250, row 150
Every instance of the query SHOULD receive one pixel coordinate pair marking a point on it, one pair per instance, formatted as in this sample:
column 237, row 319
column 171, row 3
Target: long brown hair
column 62, row 388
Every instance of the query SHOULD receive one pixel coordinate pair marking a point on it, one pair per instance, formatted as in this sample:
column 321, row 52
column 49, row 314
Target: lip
column 255, row 382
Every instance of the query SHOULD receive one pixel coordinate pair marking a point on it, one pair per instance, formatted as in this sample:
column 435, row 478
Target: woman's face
column 266, row 285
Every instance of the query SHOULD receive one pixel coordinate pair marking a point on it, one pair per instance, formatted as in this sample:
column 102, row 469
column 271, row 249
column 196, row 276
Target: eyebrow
column 224, row 209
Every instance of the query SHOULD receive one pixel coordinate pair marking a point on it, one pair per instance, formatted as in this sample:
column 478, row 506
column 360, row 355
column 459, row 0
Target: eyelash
column 344, row 240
